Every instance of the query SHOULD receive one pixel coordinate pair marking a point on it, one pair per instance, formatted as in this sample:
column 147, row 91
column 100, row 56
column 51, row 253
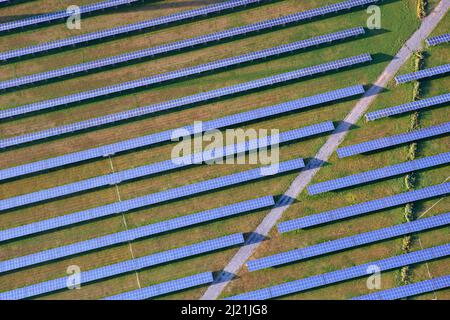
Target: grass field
column 383, row 45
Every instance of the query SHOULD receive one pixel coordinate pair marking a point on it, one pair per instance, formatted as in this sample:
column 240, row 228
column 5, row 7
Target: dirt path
column 413, row 44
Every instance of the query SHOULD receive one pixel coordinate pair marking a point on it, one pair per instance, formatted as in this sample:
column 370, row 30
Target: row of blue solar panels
column 422, row 74
column 165, row 287
column 48, row 17
column 349, row 242
column 179, row 73
column 159, row 137
column 434, row 41
column 395, row 140
column 408, row 107
column 147, row 200
column 365, row 207
column 163, row 106
column 126, row 266
column 163, row 166
column 300, row 16
column 409, row 290
column 345, row 274
column 136, row 233
column 122, row 30
column 381, row 173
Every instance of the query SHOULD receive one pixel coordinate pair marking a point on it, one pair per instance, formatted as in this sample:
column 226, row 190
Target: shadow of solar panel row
column 187, row 15
column 377, row 174
column 182, row 102
column 165, row 287
column 349, row 242
column 364, row 207
column 122, row 30
column 147, row 200
column 408, row 107
column 126, row 266
column 434, row 41
column 409, row 290
column 48, row 17
column 78, row 97
column 327, row 38
column 136, row 233
column 395, row 140
column 422, row 74
column 208, row 157
column 163, row 136
column 344, row 274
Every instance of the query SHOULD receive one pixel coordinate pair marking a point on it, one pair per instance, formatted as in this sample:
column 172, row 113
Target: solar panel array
column 151, row 52
column 162, row 106
column 159, row 137
column 365, row 207
column 377, row 174
column 300, row 16
column 409, row 290
column 165, row 287
column 434, row 41
column 163, row 166
column 349, row 242
column 147, row 200
column 135, row 233
column 48, row 17
column 408, row 107
column 395, row 140
column 422, row 74
column 126, row 266
column 344, row 274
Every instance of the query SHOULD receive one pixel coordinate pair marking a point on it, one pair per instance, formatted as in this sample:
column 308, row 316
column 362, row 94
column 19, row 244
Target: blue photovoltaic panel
column 126, row 266
column 155, row 138
column 48, row 17
column 365, row 207
column 408, row 107
column 443, row 38
column 393, row 140
column 159, row 167
column 151, row 52
column 135, row 233
column 377, row 174
column 349, row 242
column 165, row 287
column 300, row 16
column 409, row 290
column 422, row 74
column 345, row 274
column 162, row 106
column 154, row 198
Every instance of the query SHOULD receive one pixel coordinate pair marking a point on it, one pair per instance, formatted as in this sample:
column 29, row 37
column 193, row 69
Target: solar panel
column 434, row 41
column 377, row 174
column 409, row 290
column 422, row 74
column 377, row 144
column 408, row 107
column 344, row 274
column 48, row 17
column 151, row 139
column 348, row 242
column 99, row 35
column 172, row 47
column 365, row 207
column 126, row 266
column 135, row 233
column 165, row 287
column 147, row 200
column 163, row 166
column 162, row 106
